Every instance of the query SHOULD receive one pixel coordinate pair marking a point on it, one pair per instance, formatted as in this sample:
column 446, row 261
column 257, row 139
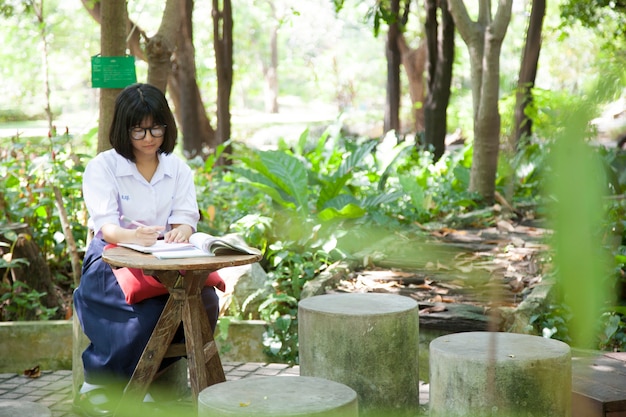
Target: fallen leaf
column 505, row 226
column 434, row 309
column 424, row 287
column 436, row 299
column 34, row 372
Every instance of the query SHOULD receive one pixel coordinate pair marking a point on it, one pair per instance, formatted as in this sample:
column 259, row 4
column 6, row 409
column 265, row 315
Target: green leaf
column 274, row 194
column 302, row 140
column 331, row 189
column 349, row 211
column 379, row 199
column 414, row 190
column 355, row 158
column 401, row 152
column 289, row 174
column 41, row 211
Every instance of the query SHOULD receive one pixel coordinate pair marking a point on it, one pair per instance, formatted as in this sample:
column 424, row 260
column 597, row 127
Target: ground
column 493, row 266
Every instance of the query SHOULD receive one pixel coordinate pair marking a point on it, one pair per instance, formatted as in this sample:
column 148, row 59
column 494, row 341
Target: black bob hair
column 134, row 104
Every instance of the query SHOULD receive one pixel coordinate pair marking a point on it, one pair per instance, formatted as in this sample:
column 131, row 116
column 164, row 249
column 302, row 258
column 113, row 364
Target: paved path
column 54, row 389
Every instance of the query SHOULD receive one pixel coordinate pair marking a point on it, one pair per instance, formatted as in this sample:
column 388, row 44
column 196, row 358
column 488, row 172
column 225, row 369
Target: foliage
column 31, row 168
column 30, row 175
column 9, row 308
column 305, row 204
column 552, row 322
column 327, row 199
column 555, row 320
column 597, row 14
column 613, row 336
column 17, row 300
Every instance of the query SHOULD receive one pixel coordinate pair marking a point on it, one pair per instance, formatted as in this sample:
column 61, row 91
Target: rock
column 328, row 279
column 246, row 289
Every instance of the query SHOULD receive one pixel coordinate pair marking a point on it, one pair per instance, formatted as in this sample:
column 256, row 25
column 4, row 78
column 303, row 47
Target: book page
column 180, row 254
column 201, row 241
column 159, row 246
column 227, row 245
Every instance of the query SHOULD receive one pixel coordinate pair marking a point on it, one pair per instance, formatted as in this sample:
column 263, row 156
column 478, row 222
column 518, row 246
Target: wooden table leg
column 205, row 366
column 184, row 304
column 152, row 356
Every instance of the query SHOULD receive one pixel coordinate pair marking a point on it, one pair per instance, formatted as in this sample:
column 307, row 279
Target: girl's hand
column 147, row 236
column 179, row 233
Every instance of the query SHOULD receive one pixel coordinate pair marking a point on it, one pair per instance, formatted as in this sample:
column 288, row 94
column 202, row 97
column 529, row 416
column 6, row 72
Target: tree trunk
column 43, row 29
column 194, row 123
column 162, row 45
column 484, row 40
column 112, row 43
column 440, row 41
column 414, row 62
column 487, row 127
column 183, row 86
column 271, row 73
column 528, row 73
column 223, row 45
column 392, row 105
column 135, row 33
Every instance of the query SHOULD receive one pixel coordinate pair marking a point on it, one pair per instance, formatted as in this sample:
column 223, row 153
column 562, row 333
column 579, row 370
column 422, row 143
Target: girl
column 140, row 179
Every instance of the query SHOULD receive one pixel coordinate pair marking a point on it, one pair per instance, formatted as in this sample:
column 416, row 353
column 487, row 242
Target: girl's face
column 146, row 138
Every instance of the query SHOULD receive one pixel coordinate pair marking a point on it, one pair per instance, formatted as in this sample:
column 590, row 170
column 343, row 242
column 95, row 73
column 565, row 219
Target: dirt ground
column 494, row 266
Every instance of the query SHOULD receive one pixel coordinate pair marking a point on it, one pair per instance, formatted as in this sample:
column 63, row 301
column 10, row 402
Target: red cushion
column 137, row 286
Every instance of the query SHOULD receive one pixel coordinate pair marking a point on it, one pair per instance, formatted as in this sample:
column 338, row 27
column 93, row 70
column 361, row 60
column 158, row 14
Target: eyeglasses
column 138, row 133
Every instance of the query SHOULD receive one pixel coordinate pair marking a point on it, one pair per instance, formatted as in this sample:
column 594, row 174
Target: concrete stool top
column 276, row 396
column 476, row 346
column 485, row 374
column 358, row 304
column 15, row 408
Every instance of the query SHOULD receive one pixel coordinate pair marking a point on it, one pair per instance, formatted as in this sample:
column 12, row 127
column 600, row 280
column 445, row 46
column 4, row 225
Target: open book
column 200, row 244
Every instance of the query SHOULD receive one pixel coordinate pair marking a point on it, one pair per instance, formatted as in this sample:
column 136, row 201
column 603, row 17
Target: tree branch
column 69, row 237
column 502, row 19
column 462, row 20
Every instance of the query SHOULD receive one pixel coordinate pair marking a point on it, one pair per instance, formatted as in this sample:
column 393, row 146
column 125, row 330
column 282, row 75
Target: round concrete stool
column 278, row 396
column 17, row 408
column 499, row 374
column 368, row 342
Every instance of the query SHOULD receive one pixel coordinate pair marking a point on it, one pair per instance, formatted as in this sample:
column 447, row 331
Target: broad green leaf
column 289, row 174
column 302, row 140
column 414, row 190
column 355, row 158
column 379, row 199
column 351, row 211
column 331, row 188
column 343, row 206
column 401, row 151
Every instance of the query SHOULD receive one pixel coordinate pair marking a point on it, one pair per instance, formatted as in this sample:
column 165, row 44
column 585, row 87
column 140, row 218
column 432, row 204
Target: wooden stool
column 599, row 384
column 278, row 396
column 485, row 374
column 368, row 342
column 184, row 305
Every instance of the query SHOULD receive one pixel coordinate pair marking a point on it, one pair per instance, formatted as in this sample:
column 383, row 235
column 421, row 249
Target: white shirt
column 112, row 186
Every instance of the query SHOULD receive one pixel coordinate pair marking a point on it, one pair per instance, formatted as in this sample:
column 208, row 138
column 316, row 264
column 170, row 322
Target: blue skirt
column 118, row 332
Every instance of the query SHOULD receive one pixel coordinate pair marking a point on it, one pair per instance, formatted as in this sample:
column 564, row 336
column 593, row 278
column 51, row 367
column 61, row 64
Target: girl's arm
column 146, row 236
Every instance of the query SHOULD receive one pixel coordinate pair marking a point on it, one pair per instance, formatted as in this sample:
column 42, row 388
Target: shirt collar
column 126, row 167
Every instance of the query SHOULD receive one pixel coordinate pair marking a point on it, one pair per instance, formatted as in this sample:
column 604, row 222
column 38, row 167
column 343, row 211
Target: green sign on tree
column 112, row 71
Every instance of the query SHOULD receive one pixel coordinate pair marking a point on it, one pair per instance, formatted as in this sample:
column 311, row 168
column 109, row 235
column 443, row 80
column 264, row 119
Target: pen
column 136, row 223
